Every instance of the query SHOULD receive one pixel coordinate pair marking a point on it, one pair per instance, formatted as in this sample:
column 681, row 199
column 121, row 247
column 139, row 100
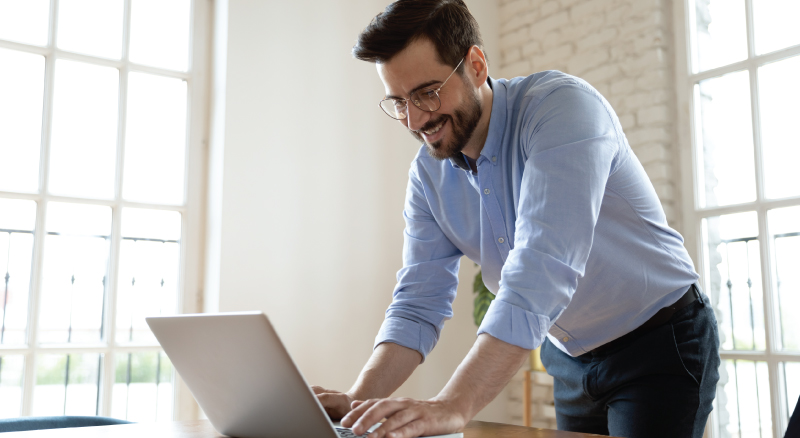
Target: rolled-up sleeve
column 572, row 144
column 426, row 285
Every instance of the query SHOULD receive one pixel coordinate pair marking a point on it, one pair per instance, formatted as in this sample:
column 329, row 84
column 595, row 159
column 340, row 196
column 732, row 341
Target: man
column 533, row 179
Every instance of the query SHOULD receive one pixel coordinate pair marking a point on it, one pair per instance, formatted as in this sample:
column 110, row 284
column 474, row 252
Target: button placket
column 492, row 206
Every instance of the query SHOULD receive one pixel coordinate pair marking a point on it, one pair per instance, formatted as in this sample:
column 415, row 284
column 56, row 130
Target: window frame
column 190, row 296
column 693, row 215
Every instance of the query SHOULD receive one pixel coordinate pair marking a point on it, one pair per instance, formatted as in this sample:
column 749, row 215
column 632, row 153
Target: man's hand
column 406, row 418
column 487, row 368
column 337, row 404
column 387, row 369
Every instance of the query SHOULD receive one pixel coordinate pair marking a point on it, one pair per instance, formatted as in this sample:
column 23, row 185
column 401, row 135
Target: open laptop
column 242, row 376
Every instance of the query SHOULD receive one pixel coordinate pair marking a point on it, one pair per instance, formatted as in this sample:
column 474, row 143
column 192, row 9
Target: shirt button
column 565, row 339
column 486, row 191
column 494, row 158
column 501, row 240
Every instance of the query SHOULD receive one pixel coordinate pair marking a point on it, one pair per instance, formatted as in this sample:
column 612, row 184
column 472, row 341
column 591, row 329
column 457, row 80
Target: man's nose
column 416, row 118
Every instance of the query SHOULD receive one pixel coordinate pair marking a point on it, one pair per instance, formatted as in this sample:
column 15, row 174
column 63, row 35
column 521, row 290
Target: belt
column 660, row 318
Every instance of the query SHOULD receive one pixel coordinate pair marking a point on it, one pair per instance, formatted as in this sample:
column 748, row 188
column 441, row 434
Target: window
column 102, row 119
column 738, row 65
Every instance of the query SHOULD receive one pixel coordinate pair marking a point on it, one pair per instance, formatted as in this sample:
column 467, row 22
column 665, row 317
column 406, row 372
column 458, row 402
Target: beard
column 463, row 125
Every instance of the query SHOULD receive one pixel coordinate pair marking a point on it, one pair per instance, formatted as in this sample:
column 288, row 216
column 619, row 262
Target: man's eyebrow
column 419, row 87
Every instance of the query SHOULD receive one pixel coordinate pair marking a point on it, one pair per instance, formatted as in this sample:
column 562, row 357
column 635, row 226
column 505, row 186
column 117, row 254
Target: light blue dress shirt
column 561, row 217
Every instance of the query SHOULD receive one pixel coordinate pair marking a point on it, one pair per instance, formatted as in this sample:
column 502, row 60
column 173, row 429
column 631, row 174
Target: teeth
column 434, row 130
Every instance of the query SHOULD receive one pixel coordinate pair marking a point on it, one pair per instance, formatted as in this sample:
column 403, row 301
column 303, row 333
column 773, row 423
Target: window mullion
column 23, row 47
column 751, row 45
column 111, row 313
column 116, row 230
column 105, row 202
column 776, row 395
column 41, row 212
column 749, row 206
column 759, row 60
column 752, row 68
column 770, row 322
column 764, row 240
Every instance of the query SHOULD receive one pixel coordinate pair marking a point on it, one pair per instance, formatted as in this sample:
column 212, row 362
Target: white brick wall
column 624, row 49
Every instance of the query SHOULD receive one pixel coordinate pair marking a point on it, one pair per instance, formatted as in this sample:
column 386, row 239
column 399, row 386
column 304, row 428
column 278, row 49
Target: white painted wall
column 307, row 185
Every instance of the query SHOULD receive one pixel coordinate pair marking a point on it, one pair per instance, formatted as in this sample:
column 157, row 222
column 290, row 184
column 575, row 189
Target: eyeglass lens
column 426, row 100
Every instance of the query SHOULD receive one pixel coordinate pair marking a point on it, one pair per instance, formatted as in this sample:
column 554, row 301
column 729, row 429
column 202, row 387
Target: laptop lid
column 241, row 375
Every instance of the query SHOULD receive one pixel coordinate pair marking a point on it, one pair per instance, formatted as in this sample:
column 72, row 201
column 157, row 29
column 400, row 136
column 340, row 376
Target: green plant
column 483, row 298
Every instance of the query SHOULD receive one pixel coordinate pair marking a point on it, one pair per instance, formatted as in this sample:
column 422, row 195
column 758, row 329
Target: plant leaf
column 483, row 299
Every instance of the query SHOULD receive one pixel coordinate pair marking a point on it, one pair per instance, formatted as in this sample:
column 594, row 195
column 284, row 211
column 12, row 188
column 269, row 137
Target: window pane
column 143, row 387
column 67, row 384
column 151, row 224
column 743, row 399
column 726, row 172
column 84, row 139
column 25, row 21
column 21, row 91
column 148, row 271
column 779, row 115
column 784, row 228
column 16, row 256
column 791, row 379
column 93, row 27
column 12, row 370
column 160, row 33
column 74, row 274
column 155, row 143
column 720, row 33
column 775, row 24
column 734, row 276
column 78, row 219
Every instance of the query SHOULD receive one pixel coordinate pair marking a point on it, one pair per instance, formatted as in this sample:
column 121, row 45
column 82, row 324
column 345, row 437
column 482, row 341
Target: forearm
column 389, row 366
column 489, row 366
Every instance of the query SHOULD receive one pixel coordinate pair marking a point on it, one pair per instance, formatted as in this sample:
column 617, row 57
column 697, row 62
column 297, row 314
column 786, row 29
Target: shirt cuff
column 407, row 333
column 514, row 325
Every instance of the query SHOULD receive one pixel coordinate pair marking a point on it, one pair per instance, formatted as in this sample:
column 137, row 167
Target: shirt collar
column 497, row 125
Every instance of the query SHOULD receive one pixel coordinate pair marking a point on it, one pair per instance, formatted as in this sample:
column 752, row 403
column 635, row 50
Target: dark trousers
column 658, row 384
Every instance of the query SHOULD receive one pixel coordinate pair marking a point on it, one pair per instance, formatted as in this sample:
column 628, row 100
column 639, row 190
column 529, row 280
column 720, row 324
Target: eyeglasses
column 426, row 99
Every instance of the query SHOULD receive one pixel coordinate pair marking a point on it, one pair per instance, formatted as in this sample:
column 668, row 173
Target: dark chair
column 793, row 431
column 35, row 423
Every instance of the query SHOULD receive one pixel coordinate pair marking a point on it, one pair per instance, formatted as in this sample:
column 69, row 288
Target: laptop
column 240, row 373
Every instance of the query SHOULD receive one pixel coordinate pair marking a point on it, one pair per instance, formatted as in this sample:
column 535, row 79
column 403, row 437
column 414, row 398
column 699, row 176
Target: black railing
column 133, row 279
column 7, row 278
column 729, row 284
column 778, row 281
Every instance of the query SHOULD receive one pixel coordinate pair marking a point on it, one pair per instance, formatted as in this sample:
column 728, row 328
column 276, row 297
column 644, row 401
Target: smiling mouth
column 436, row 128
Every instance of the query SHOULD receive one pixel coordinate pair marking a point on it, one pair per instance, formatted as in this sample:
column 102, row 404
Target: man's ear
column 477, row 69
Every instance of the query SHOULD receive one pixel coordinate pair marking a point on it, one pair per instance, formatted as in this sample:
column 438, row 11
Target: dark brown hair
column 446, row 23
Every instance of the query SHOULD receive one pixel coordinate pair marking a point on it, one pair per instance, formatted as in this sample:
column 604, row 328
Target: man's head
column 416, row 45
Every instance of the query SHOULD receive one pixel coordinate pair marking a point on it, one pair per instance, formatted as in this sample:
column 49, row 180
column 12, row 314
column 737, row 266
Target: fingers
column 358, row 409
column 409, row 430
column 335, row 404
column 397, row 422
column 405, row 418
column 320, row 390
column 373, row 411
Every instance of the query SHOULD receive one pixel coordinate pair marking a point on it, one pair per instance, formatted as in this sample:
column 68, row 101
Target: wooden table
column 203, row 429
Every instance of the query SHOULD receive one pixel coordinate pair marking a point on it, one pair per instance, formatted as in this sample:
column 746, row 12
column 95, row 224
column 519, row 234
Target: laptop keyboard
column 348, row 433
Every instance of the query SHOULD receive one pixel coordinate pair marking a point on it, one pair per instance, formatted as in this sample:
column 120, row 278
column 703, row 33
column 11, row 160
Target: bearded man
column 533, row 179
